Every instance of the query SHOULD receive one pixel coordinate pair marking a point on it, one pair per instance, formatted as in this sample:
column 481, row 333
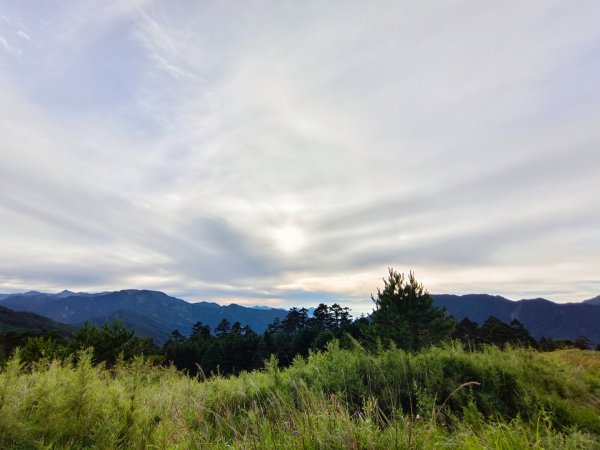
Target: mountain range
column 149, row 313
column 540, row 316
column 156, row 314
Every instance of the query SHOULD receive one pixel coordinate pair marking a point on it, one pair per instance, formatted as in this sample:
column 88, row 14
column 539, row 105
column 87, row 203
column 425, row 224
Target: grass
column 439, row 398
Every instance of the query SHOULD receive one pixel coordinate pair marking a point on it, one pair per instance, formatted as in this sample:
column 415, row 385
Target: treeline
column 495, row 332
column 404, row 317
column 233, row 347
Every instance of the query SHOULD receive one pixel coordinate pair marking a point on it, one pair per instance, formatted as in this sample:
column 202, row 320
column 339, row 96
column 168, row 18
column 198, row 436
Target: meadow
column 440, row 397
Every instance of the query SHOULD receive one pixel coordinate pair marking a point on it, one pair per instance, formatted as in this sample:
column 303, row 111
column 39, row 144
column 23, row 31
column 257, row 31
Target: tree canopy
column 404, row 313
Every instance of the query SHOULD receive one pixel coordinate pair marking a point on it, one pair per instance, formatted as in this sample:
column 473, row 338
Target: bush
column 339, row 398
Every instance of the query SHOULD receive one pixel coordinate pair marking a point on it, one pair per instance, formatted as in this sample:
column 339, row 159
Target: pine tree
column 521, row 335
column 200, row 331
column 404, row 313
column 322, row 317
column 467, row 331
column 223, row 328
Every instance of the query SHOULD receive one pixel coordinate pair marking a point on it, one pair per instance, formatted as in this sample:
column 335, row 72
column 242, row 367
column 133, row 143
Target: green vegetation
column 494, row 332
column 442, row 397
column 106, row 343
column 404, row 314
column 325, row 381
column 17, row 328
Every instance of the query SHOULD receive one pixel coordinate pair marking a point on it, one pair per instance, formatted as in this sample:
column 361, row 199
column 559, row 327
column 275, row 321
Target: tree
column 295, row 320
column 110, row 340
column 495, row 332
column 322, row 317
column 582, row 343
column 521, row 335
column 341, row 316
column 404, row 313
column 223, row 328
column 236, row 329
column 547, row 344
column 467, row 331
column 177, row 337
column 43, row 346
column 275, row 327
column 200, row 331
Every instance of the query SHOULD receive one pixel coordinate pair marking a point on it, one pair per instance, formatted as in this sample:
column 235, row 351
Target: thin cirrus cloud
column 285, row 152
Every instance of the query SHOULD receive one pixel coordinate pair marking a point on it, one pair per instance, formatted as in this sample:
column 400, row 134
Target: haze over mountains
column 156, row 314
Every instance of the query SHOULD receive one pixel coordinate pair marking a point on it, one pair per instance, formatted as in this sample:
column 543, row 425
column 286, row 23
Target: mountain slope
column 593, row 301
column 28, row 322
column 149, row 313
column 540, row 316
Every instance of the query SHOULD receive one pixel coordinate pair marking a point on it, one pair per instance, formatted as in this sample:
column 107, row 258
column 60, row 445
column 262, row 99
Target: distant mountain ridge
column 540, row 316
column 149, row 313
column 156, row 314
column 593, row 301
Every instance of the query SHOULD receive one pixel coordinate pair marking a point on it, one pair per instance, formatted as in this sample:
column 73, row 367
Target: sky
column 287, row 153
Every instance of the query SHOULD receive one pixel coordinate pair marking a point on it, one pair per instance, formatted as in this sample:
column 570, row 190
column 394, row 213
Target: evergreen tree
column 200, row 331
column 236, row 328
column 177, row 337
column 322, row 317
column 521, row 335
column 547, row 344
column 275, row 327
column 222, row 328
column 582, row 343
column 341, row 316
column 110, row 340
column 295, row 320
column 468, row 332
column 494, row 331
column 404, row 313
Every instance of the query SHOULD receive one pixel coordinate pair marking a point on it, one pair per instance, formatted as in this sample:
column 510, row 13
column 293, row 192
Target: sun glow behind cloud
column 265, row 152
column 290, row 238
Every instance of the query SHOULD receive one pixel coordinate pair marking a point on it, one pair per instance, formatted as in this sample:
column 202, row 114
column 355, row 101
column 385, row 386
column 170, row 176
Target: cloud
column 147, row 144
column 23, row 35
column 7, row 47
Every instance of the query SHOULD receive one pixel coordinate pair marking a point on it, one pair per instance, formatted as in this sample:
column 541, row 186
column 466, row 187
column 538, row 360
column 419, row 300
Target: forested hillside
column 408, row 376
column 28, row 322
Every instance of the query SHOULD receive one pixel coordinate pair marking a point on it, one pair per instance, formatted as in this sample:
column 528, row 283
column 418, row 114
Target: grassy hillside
column 438, row 398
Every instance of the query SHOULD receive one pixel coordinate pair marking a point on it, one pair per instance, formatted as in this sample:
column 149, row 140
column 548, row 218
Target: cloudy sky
column 288, row 152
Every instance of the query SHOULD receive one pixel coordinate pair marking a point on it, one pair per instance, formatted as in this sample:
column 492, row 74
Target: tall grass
column 439, row 398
